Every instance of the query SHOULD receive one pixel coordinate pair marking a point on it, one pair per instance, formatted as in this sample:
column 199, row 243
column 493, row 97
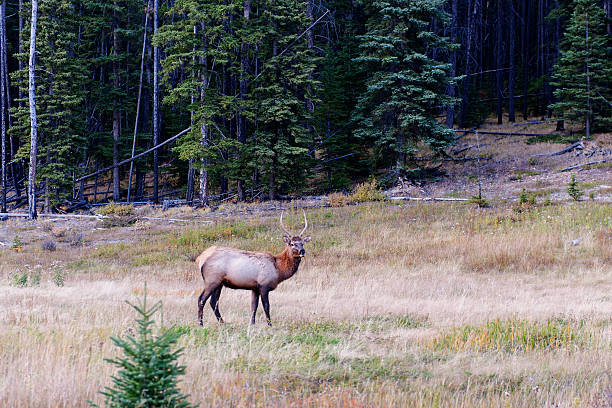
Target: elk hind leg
column 202, row 301
column 214, row 302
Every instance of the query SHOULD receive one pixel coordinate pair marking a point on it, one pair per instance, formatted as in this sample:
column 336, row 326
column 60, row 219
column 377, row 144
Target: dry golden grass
column 426, row 305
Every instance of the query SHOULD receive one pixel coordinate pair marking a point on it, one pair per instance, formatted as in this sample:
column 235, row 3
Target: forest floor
column 417, row 304
column 510, row 164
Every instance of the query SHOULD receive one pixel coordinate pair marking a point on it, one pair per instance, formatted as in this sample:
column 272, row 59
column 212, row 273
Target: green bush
column 339, row 199
column 19, row 279
column 58, row 278
column 119, row 210
column 367, row 191
column 148, row 371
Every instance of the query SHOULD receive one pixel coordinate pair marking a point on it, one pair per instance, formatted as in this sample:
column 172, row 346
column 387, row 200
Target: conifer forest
column 201, row 100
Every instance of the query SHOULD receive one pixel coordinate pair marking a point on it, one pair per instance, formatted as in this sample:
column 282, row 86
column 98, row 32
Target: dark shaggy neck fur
column 287, row 264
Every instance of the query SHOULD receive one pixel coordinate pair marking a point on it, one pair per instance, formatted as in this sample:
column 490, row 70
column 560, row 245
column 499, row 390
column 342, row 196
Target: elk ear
column 306, row 238
column 286, row 239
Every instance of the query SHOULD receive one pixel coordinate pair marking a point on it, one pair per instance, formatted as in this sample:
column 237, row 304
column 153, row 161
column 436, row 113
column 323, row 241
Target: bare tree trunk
column 560, row 123
column 241, row 125
column 191, row 171
column 3, row 108
column 155, row 105
column 500, row 62
column 116, row 116
column 524, row 47
column 204, row 131
column 588, row 78
column 511, row 72
column 96, row 185
column 468, row 59
column 33, row 122
column 144, row 45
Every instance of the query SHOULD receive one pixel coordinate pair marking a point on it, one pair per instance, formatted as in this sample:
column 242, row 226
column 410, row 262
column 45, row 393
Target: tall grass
column 419, row 305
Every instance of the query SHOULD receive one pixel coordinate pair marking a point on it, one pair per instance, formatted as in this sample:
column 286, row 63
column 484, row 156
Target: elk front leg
column 214, row 302
column 266, row 304
column 254, row 304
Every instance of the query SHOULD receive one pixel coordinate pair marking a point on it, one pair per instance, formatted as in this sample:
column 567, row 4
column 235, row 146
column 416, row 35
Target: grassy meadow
column 408, row 305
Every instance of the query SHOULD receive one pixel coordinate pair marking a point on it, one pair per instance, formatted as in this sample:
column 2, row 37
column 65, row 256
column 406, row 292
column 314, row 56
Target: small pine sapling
column 573, row 190
column 148, row 372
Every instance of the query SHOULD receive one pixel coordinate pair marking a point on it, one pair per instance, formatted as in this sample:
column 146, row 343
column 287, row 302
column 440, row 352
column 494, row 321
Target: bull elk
column 259, row 272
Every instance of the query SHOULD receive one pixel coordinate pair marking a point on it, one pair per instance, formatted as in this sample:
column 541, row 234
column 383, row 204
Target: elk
column 259, row 272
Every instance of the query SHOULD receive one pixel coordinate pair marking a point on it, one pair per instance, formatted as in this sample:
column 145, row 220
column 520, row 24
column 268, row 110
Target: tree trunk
column 3, row 109
column 244, row 69
column 155, row 105
column 588, row 77
column 33, row 122
column 500, row 62
column 468, row 56
column 511, row 72
column 116, row 116
column 204, row 129
column 524, row 47
column 144, row 45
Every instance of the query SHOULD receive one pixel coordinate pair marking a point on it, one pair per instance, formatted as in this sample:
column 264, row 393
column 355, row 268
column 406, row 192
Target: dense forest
column 135, row 100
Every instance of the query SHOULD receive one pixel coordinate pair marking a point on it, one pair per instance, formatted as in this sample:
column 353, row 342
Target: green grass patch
column 208, row 235
column 514, row 336
column 110, row 251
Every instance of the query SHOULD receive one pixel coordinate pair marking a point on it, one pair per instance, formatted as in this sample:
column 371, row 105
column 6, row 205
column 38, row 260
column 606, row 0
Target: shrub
column 58, row 277
column 148, row 371
column 119, row 210
column 339, row 199
column 367, row 191
column 17, row 245
column 479, row 201
column 48, row 246
column 573, row 190
column 19, row 279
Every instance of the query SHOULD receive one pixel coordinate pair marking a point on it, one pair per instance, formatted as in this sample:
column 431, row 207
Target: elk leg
column 214, row 302
column 266, row 304
column 254, row 303
column 201, row 302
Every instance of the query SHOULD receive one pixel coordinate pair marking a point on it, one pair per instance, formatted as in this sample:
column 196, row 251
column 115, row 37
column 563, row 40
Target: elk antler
column 283, row 225
column 305, row 223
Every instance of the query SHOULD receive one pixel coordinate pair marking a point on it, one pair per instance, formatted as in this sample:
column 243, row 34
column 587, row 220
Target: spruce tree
column 148, row 371
column 279, row 146
column 584, row 70
column 406, row 88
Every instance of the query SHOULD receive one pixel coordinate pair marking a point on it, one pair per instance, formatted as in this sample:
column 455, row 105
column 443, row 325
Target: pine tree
column 407, row 87
column 584, row 70
column 148, row 371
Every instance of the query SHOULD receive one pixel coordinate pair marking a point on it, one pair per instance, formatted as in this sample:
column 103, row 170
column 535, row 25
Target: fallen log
column 584, row 164
column 406, row 198
column 486, row 132
column 133, row 158
column 577, row 145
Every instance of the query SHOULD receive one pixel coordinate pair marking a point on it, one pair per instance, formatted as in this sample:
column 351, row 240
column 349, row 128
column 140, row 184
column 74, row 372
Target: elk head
column 295, row 243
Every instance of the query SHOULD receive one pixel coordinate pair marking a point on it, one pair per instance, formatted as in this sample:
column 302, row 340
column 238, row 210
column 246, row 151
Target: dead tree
column 33, row 121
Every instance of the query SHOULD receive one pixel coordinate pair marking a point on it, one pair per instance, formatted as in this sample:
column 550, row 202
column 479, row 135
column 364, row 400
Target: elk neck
column 287, row 265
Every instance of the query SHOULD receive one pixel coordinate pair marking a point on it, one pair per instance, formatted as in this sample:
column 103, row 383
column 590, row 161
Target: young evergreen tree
column 407, row 87
column 583, row 73
column 148, row 372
